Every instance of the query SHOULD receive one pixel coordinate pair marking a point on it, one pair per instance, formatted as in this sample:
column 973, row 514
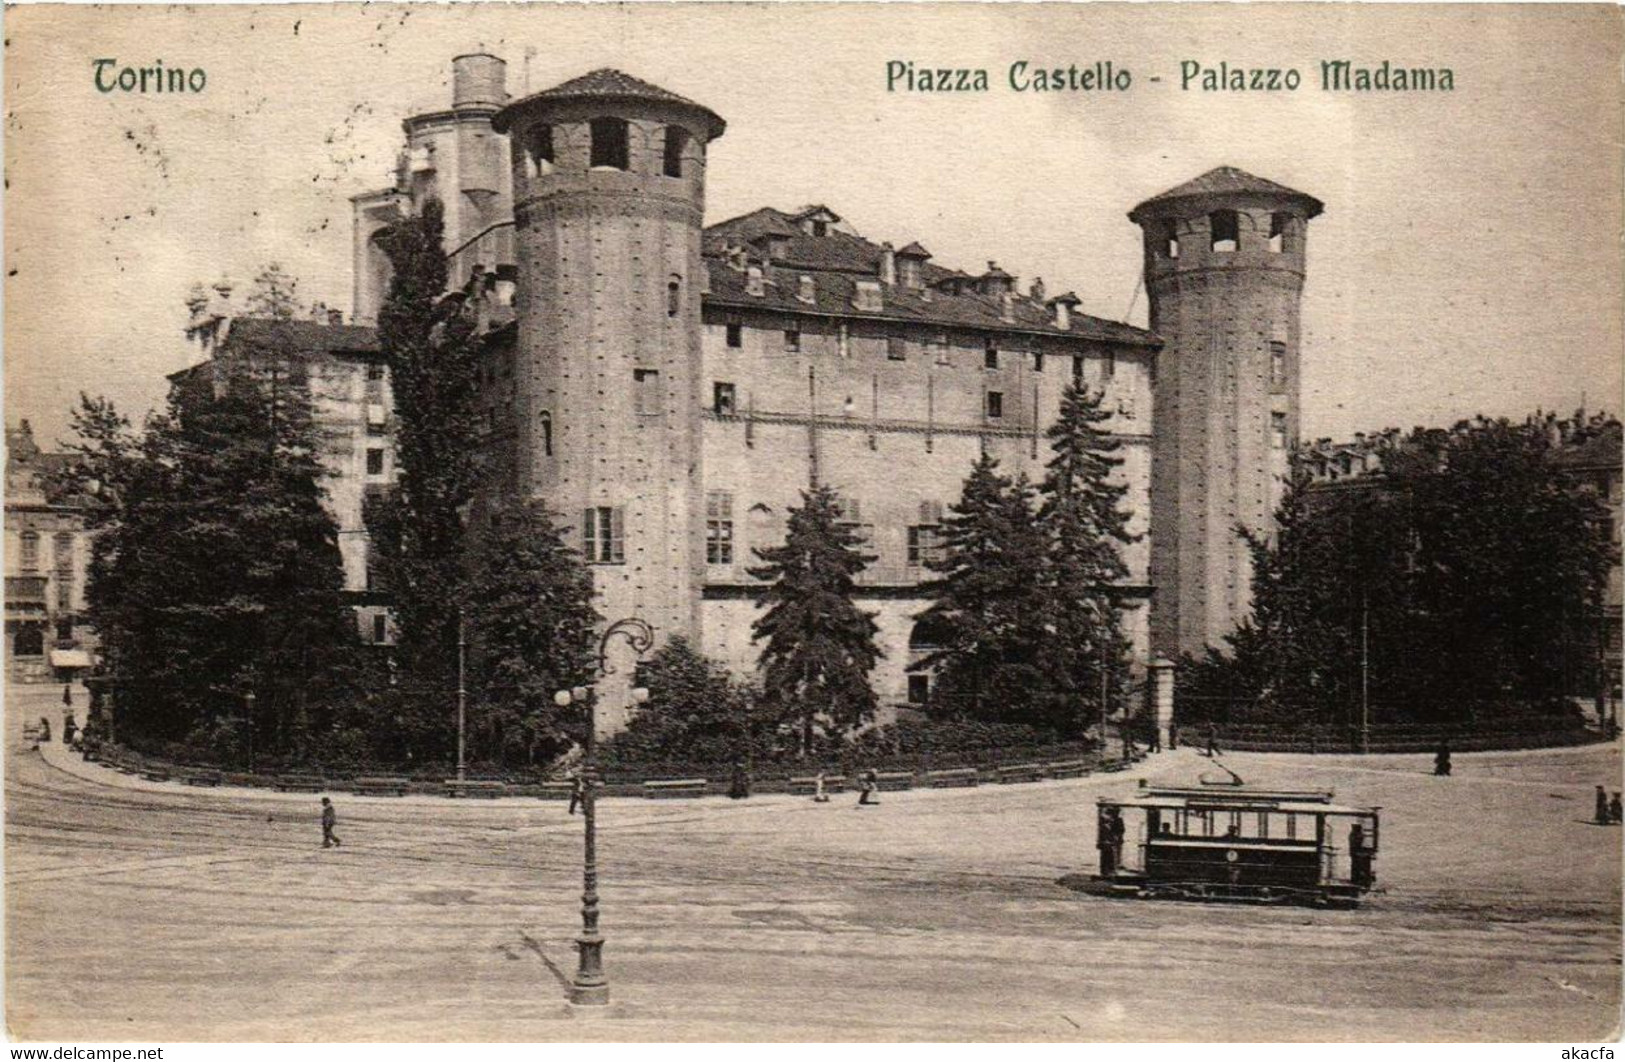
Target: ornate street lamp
column 591, row 987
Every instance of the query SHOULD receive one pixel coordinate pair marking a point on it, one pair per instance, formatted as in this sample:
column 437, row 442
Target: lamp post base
column 590, row 987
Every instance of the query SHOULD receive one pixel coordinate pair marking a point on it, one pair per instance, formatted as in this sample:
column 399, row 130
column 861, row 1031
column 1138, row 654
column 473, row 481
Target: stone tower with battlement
column 608, row 177
column 1224, row 272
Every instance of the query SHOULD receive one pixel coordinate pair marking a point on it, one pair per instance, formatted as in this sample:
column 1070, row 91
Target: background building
column 47, row 554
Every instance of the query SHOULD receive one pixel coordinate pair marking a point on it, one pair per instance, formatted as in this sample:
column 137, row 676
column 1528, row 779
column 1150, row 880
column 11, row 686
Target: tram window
column 1291, row 826
column 1263, row 824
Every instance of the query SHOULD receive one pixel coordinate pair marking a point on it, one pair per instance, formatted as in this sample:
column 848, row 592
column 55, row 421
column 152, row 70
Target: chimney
column 753, row 280
column 1007, row 307
column 1037, row 290
column 1064, row 305
column 888, row 265
column 478, row 81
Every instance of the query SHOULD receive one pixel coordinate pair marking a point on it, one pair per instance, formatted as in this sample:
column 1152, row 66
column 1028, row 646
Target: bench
column 473, row 788
column 201, row 776
column 153, row 772
column 894, row 781
column 671, row 788
column 807, row 786
column 1019, row 772
column 555, row 790
column 300, row 783
column 380, row 786
column 1067, row 768
column 958, row 776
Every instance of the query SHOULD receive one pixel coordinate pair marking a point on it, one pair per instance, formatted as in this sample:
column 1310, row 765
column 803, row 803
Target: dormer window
column 754, row 280
column 610, row 144
column 820, row 228
column 1226, row 231
column 778, row 248
column 868, row 296
column 806, row 290
column 676, row 144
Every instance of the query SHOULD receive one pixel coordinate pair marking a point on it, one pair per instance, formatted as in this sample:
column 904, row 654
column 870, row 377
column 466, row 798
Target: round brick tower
column 1224, row 272
column 609, row 197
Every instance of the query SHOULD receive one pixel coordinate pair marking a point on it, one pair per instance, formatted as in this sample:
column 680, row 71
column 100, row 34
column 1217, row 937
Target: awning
column 70, row 658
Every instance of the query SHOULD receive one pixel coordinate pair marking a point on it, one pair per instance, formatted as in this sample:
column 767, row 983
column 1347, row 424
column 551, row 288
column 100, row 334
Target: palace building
column 670, row 387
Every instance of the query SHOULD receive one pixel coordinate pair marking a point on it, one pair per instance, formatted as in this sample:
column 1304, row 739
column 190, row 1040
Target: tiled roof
column 1601, row 450
column 1227, row 180
column 606, row 83
column 301, row 337
column 914, row 250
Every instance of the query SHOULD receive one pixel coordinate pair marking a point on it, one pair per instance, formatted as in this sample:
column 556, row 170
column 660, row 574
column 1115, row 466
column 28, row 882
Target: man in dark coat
column 330, row 819
column 1602, row 806
column 1441, row 760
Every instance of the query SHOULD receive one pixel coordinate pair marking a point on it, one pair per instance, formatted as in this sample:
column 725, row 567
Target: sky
column 1469, row 260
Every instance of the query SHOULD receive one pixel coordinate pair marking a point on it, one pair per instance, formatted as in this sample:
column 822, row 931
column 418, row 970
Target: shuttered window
column 602, row 535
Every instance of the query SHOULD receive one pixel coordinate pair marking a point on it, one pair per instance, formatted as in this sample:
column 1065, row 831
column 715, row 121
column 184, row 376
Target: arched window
column 1170, row 238
column 1279, row 226
column 538, row 151
column 1226, row 230
column 610, row 148
column 676, row 143
column 674, row 296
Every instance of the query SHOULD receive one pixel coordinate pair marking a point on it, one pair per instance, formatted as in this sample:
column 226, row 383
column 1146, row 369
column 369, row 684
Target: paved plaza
column 148, row 911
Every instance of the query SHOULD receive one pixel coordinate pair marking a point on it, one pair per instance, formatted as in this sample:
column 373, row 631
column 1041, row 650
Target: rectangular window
column 64, row 591
column 547, row 433
column 375, row 372
column 609, row 143
column 30, row 551
column 380, row 629
column 990, row 353
column 722, row 399
column 1038, row 361
column 939, row 350
column 671, row 163
column 995, row 405
column 1226, row 230
column 736, row 333
column 924, row 545
column 792, row 338
column 919, row 689
column 1277, row 364
column 375, row 462
column 1278, row 229
column 646, row 394
column 719, row 527
column 896, row 348
column 1109, row 366
column 1077, row 369
column 1170, row 239
column 1278, row 430
column 602, row 539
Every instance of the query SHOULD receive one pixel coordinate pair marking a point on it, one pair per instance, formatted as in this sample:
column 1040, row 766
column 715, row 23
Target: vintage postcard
column 813, row 522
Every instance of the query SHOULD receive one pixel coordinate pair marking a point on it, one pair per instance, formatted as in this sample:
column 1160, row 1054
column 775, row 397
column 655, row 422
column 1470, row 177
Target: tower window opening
column 676, row 143
column 547, row 433
column 995, row 405
column 610, row 148
column 1109, row 366
column 1277, row 364
column 723, row 403
column 719, row 527
column 1077, row 369
column 735, row 331
column 375, row 462
column 896, row 348
column 674, row 296
column 1278, row 431
column 1038, row 361
column 1226, row 230
column 539, row 151
column 1170, row 238
column 646, row 392
column 380, row 629
column 792, row 338
column 990, row 353
column 1278, row 231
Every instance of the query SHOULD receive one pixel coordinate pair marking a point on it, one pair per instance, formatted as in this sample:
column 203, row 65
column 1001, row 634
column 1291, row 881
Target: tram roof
column 1286, row 803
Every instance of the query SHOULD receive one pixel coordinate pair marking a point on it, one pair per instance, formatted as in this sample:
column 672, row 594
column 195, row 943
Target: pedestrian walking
column 1604, row 815
column 739, row 783
column 819, row 796
column 867, row 784
column 330, row 819
column 44, row 730
column 578, row 790
column 1616, row 813
column 1212, row 741
column 69, row 728
column 67, row 695
column 1441, row 760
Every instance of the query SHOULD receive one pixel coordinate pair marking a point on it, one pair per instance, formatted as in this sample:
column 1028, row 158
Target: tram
column 1233, row 842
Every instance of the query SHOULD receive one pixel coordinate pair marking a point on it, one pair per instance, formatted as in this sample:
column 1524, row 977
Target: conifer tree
column 987, row 618
column 1086, row 529
column 820, row 647
column 530, row 632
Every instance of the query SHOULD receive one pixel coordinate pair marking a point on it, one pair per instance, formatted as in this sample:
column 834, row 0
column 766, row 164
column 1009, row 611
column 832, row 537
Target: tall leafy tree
column 275, row 293
column 697, row 711
column 530, row 632
column 216, row 570
column 987, row 621
column 433, row 353
column 1086, row 528
column 819, row 646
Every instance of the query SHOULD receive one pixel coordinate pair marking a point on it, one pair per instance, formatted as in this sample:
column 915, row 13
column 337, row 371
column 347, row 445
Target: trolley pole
column 462, row 699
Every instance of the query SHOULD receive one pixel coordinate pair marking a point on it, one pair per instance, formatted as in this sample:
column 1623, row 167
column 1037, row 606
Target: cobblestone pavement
column 153, row 912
